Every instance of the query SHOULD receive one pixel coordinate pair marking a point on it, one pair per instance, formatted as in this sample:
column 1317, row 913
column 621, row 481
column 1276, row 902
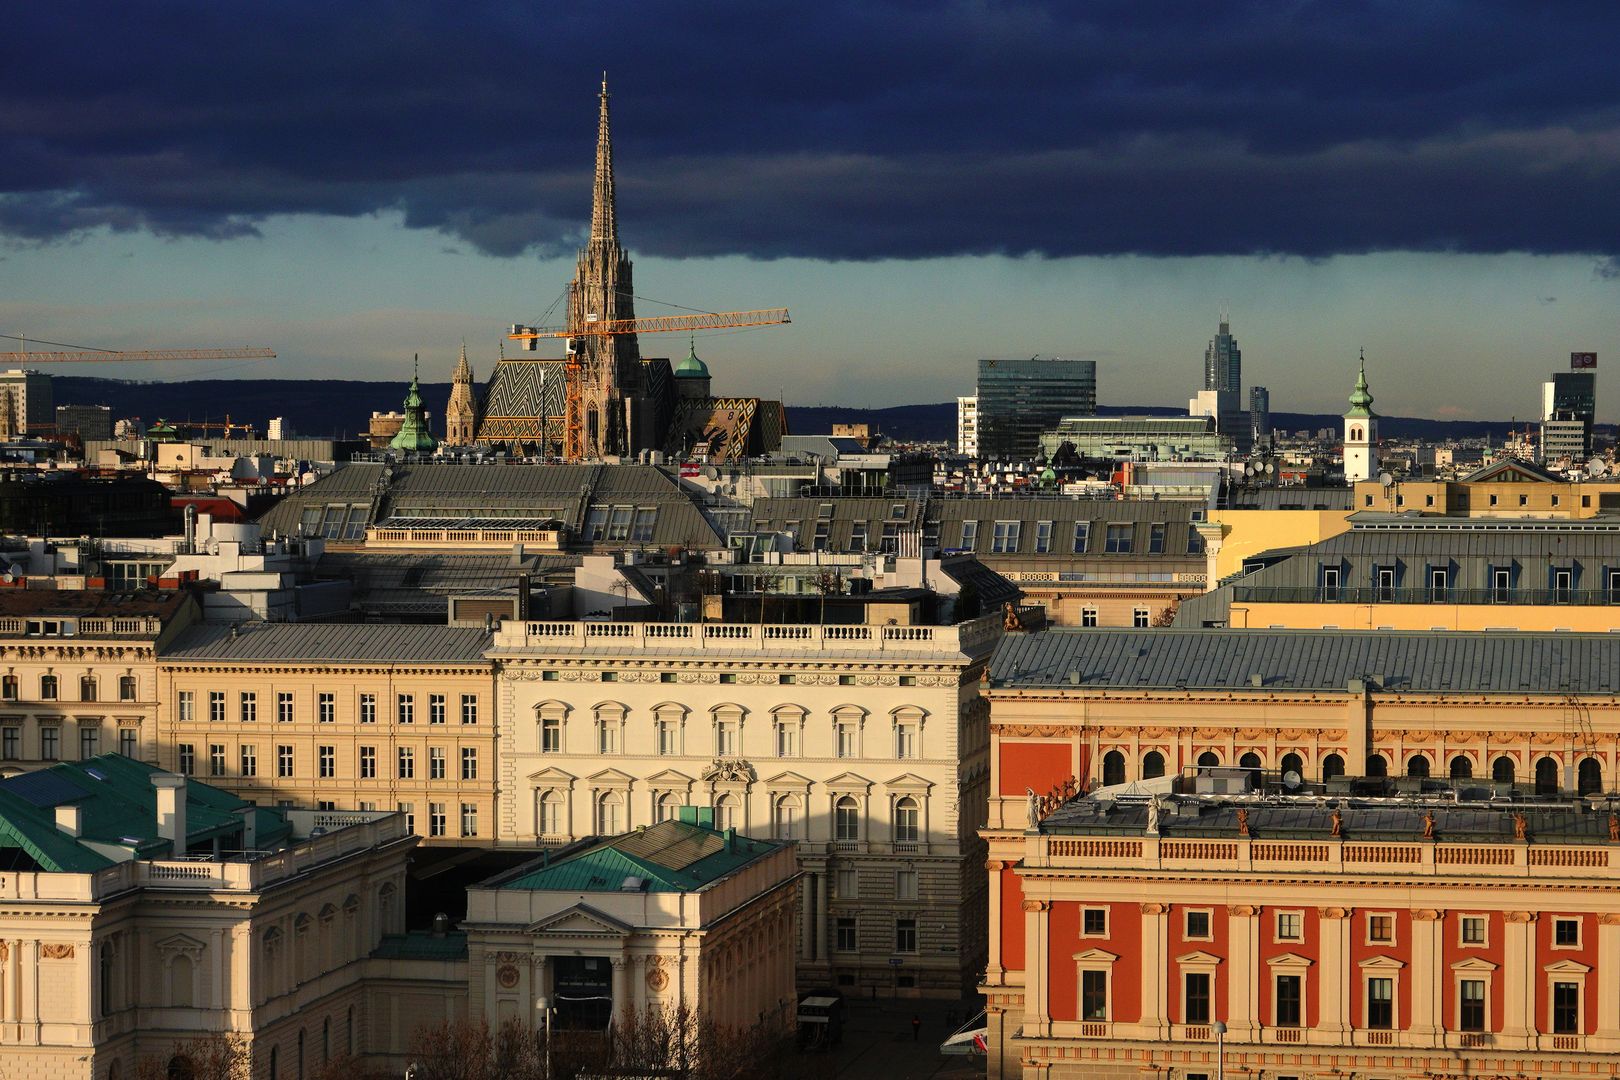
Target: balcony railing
column 1378, row 594
column 968, row 637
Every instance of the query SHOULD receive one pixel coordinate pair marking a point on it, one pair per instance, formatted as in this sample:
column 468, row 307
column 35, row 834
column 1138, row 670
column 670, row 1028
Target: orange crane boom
column 113, row 355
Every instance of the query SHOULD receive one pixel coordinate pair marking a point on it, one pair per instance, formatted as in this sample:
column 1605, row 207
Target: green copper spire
column 692, row 367
column 1360, row 400
column 414, row 433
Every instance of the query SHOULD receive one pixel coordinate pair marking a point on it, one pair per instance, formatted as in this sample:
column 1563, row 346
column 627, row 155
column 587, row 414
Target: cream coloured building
column 867, row 744
column 339, row 716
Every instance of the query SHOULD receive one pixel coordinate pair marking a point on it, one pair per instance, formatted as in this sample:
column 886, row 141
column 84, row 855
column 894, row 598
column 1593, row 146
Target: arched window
column 1502, row 770
column 1152, row 765
column 275, row 1063
column 126, row 688
column 1332, row 765
column 348, row 1035
column 905, row 820
column 87, row 688
column 1417, row 765
column 785, row 817
column 1462, row 767
column 385, row 907
column 47, row 688
column 326, row 1040
column 846, row 818
column 1209, row 759
column 1293, row 763
column 181, row 1068
column 548, row 813
column 1355, row 434
column 1376, row 765
column 725, row 812
column 1546, row 776
column 300, row 1054
column 1251, row 760
column 667, row 807
column 1113, row 768
column 1589, row 776
column 609, row 814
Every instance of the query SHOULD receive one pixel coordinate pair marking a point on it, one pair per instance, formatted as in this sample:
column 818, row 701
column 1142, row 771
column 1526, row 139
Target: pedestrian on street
column 916, row 1027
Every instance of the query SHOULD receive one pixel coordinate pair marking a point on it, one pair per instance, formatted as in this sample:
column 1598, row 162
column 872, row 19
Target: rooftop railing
column 1375, row 594
column 967, row 637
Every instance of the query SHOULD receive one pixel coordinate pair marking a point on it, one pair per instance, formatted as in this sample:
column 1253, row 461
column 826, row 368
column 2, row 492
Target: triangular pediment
column 1511, row 471
column 844, row 781
column 908, row 782
column 1096, row 956
column 1566, row 967
column 1473, row 963
column 1290, row 960
column 580, row 920
column 552, row 775
column 669, row 778
column 788, row 779
column 180, row 943
column 611, row 776
column 1200, row 957
column 1382, row 963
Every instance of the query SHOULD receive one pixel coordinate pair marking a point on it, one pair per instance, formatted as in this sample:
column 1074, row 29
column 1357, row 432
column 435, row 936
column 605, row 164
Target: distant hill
column 327, row 407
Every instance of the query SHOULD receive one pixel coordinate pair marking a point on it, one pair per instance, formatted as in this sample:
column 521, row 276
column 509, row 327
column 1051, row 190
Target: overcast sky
column 920, row 184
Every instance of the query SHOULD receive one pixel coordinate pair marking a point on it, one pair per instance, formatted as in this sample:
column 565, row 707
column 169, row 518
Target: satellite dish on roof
column 1291, row 780
column 1386, row 479
column 711, row 473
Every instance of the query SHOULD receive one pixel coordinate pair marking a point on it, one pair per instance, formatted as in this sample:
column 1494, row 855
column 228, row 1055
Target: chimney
column 171, row 809
column 441, row 924
column 517, row 555
column 250, row 827
column 70, row 818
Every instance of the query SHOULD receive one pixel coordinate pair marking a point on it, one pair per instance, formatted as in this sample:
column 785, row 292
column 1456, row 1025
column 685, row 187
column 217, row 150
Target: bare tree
column 213, row 1057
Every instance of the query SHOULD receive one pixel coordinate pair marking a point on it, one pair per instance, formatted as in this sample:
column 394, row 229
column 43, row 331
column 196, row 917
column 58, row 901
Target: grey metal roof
column 1288, row 498
column 420, row 583
column 271, row 642
column 1478, row 662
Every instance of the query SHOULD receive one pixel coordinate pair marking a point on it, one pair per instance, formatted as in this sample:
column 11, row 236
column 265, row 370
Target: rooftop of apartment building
column 682, row 855
column 266, row 642
column 1179, row 659
column 90, row 604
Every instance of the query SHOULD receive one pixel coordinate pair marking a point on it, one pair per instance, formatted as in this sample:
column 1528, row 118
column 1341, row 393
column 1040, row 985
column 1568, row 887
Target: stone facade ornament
column 56, row 951
column 730, row 770
column 507, row 976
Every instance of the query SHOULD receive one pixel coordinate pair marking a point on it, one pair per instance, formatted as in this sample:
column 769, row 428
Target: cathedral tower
column 461, row 413
column 602, row 291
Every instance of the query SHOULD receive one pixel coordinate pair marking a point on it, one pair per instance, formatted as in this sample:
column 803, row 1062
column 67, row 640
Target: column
column 1358, row 737
column 1519, row 975
column 28, row 1006
column 621, row 991
column 1608, row 998
column 1427, row 976
column 823, row 949
column 542, row 989
column 1037, row 974
column 1155, row 995
column 805, row 915
column 1335, row 982
column 1243, row 974
column 993, row 971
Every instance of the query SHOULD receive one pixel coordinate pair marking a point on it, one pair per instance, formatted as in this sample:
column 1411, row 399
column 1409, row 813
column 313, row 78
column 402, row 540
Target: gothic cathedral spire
column 604, row 217
column 461, row 413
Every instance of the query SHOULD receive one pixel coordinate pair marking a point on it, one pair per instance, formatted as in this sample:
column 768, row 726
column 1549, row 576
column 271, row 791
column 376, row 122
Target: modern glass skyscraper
column 1020, row 399
column 1223, row 362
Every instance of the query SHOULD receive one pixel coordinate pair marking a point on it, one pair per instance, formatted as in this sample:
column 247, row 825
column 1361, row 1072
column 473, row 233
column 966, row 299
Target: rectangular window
column 326, row 708
column 905, row 741
column 1290, row 926
column 669, row 737
column 905, row 935
column 725, row 739
column 607, row 737
column 847, row 746
column 1088, row 616
column 1439, row 582
column 8, row 691
column 409, row 810
column 1566, row 1008
column 1501, row 585
column 216, row 759
column 249, row 756
column 787, row 738
column 437, row 709
column 1330, row 583
column 1156, row 534
column 368, row 708
column 1386, row 584
column 437, row 819
column 50, row 744
column 469, row 819
column 905, row 884
column 1196, row 984
column 1198, row 926
column 186, row 754
column 1567, row 933
column 368, row 763
column 1043, row 537
column 1094, row 922
column 326, row 762
column 129, row 742
column 47, row 688
column 407, row 763
column 89, row 742
column 405, row 708
column 970, row 535
column 1140, row 618
column 619, row 523
column 188, row 700
column 1471, row 1005
column 595, row 523
column 1118, row 540
column 1082, row 534
column 284, row 707
column 847, row 940
column 284, row 760
column 641, row 528
column 11, row 743
column 469, row 763
column 469, row 708
column 247, row 707
column 1094, row 996
column 1290, row 1001
column 1473, row 930
column 1381, row 1003
column 1004, row 537
column 1381, row 929
column 435, row 763
column 847, row 882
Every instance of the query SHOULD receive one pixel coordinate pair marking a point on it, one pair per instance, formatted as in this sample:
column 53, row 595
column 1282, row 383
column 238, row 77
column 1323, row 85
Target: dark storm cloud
column 857, row 131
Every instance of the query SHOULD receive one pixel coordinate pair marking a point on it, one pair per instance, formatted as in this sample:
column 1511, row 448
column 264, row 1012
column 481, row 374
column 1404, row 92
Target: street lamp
column 543, row 1003
column 1220, row 1050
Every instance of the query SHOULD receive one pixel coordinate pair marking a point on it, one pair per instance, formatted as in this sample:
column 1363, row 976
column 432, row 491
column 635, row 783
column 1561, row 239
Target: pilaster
column 1519, row 975
column 1334, row 985
column 1155, row 993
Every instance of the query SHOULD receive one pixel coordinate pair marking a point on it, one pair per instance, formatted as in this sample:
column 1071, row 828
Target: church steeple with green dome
column 1360, row 400
column 413, row 433
column 691, row 374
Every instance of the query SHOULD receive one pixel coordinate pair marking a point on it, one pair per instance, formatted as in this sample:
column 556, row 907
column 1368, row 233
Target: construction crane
column 573, row 397
column 94, row 356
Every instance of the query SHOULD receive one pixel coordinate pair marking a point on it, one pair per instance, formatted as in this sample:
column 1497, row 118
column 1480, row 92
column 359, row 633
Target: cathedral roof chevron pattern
column 522, row 395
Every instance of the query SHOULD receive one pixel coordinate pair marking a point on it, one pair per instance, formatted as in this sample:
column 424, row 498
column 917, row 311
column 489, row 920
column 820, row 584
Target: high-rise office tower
column 1568, row 409
column 1223, row 362
column 1259, row 416
column 1021, row 399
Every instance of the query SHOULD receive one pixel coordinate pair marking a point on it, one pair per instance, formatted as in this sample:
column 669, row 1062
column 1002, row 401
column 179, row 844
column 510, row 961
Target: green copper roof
column 1360, row 399
column 692, row 367
column 118, row 807
column 672, row 856
column 414, row 433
